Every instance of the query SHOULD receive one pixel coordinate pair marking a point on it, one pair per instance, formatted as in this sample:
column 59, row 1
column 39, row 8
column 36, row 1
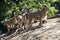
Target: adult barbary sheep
column 41, row 14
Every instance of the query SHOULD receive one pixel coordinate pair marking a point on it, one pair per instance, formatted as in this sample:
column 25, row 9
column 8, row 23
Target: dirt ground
column 49, row 31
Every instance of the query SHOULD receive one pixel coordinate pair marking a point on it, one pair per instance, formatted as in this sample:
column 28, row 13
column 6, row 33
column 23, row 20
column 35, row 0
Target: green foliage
column 36, row 4
column 7, row 6
column 57, row 5
column 52, row 11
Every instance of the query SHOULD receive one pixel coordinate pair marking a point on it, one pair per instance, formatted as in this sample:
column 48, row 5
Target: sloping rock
column 49, row 31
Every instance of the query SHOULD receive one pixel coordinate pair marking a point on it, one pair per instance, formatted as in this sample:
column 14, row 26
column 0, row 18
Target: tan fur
column 19, row 21
column 10, row 23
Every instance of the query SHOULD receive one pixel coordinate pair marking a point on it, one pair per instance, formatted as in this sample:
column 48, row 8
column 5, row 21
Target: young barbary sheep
column 18, row 19
column 10, row 23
